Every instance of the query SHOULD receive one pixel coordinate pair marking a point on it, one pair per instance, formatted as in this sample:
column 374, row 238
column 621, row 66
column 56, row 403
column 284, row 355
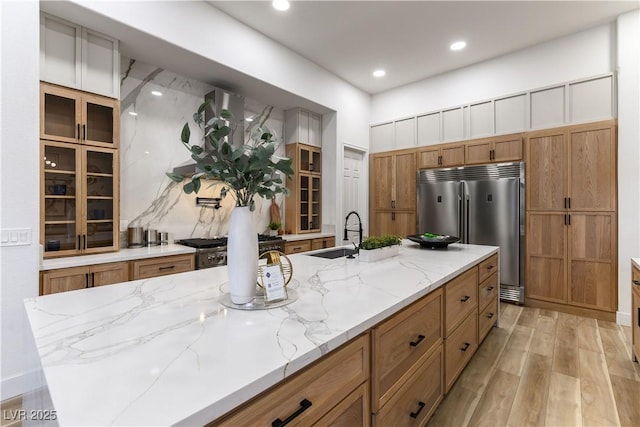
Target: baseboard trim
column 623, row 319
column 569, row 309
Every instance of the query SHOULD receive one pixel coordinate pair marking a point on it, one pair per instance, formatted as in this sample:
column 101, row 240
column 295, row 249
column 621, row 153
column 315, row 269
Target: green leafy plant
column 376, row 242
column 274, row 226
column 247, row 171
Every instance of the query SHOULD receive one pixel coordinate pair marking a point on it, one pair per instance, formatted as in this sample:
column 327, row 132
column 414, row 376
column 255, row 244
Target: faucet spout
column 346, row 230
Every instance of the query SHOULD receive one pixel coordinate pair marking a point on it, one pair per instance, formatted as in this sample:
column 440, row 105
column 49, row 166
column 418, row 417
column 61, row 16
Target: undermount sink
column 334, row 253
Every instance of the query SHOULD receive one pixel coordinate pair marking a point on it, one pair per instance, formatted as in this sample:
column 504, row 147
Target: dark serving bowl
column 442, row 241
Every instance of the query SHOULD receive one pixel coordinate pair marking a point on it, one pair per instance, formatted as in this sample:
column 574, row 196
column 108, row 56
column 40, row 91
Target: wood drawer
column 459, row 347
column 461, row 297
column 414, row 404
column 161, row 266
column 352, row 411
column 325, row 242
column 635, row 275
column 488, row 291
column 402, row 340
column 486, row 319
column 297, row 246
column 487, row 267
column 325, row 384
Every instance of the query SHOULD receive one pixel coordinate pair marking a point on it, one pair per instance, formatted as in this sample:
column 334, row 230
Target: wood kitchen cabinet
column 571, row 217
column 323, row 243
column 392, row 192
column 297, row 246
column 74, row 278
column 161, row 266
column 303, row 208
column 68, row 115
column 79, row 207
column 439, row 156
column 635, row 313
column 507, row 148
column 302, row 126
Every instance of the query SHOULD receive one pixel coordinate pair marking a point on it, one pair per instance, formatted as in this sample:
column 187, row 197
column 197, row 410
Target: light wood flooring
column 544, row 368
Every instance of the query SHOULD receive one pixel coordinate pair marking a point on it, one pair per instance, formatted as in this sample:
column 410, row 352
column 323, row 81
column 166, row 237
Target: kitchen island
column 164, row 351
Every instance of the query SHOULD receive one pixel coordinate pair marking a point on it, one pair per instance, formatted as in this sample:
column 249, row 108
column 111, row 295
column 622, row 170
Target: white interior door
column 353, row 191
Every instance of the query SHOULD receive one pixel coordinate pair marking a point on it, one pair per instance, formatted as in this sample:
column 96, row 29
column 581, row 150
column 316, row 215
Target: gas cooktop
column 216, row 242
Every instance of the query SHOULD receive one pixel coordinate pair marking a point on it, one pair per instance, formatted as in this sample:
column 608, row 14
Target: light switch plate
column 15, row 237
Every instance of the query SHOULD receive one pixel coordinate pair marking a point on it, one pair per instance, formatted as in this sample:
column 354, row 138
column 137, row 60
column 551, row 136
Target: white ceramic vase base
column 242, row 256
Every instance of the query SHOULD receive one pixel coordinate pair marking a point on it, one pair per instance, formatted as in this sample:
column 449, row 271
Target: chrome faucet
column 359, row 230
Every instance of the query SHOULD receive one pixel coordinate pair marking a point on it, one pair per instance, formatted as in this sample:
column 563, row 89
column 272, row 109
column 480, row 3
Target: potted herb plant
column 273, row 228
column 248, row 171
column 375, row 248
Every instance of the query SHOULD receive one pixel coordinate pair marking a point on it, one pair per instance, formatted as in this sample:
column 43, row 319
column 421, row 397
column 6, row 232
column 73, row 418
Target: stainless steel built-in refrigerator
column 482, row 205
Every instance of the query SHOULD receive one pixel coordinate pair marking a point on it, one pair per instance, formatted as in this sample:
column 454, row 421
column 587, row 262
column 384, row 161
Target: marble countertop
column 164, row 351
column 296, row 237
column 636, row 262
column 121, row 255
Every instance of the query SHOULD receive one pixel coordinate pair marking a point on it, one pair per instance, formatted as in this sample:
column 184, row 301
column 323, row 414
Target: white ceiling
column 410, row 39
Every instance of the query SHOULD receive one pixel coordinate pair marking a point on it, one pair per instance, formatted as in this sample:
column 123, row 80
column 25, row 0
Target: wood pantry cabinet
column 438, row 156
column 79, row 206
column 74, row 278
column 571, row 217
column 507, row 148
column 68, row 115
column 635, row 313
column 392, row 192
column 303, row 207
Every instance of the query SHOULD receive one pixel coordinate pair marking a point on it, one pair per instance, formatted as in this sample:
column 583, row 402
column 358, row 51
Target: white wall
column 19, row 183
column 579, row 55
column 628, row 68
column 604, row 49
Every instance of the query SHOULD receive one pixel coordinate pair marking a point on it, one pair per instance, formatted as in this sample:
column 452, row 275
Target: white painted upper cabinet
column 405, row 133
column 303, row 126
column 79, row 58
column 381, row 138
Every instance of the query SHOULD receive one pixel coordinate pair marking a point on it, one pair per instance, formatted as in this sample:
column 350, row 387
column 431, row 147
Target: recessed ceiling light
column 156, row 93
column 379, row 73
column 133, row 113
column 458, row 45
column 249, row 119
column 280, row 4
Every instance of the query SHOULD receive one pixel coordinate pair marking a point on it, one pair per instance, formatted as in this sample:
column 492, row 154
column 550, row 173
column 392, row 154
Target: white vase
column 242, row 255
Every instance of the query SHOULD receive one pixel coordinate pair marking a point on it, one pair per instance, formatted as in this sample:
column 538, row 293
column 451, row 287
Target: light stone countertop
column 164, row 351
column 296, row 237
column 121, row 255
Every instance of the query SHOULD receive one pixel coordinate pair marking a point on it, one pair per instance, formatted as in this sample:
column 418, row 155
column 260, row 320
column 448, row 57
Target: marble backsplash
column 150, row 127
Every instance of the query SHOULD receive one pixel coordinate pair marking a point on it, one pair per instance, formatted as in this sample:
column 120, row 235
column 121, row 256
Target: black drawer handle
column 418, row 341
column 490, row 316
column 490, row 288
column 465, row 347
column 491, row 267
column 421, row 407
column 465, row 299
column 169, row 267
column 636, row 282
column 304, row 405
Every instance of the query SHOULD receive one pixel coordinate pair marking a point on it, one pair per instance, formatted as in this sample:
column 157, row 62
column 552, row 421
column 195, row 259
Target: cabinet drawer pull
column 490, row 288
column 465, row 346
column 86, row 280
column 490, row 267
column 421, row 407
column 78, row 132
column 490, row 316
column 636, row 282
column 79, row 247
column 84, row 132
column 93, row 279
column 418, row 341
column 304, row 405
column 638, row 317
column 465, row 299
column 168, row 267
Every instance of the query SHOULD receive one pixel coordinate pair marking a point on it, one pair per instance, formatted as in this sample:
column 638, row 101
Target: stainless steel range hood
column 221, row 99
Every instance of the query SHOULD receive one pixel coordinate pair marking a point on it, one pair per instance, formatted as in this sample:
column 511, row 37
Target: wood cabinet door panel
column 414, row 404
column 477, row 153
column 546, row 171
column 297, row 246
column 509, row 149
column 546, row 279
column 488, row 290
column 453, row 155
column 635, row 311
column 383, row 224
column 546, row 256
column 486, row 319
column 382, row 181
column 487, row 267
column 592, row 179
column 108, row 274
column 405, row 181
column 461, row 297
column 352, row 411
column 66, row 279
column 591, row 285
column 428, row 157
column 162, row 266
column 459, row 347
column 546, row 234
column 404, row 224
column 398, row 343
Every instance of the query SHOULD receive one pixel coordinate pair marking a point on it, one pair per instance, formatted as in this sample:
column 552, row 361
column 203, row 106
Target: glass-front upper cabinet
column 310, row 159
column 69, row 115
column 79, row 200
